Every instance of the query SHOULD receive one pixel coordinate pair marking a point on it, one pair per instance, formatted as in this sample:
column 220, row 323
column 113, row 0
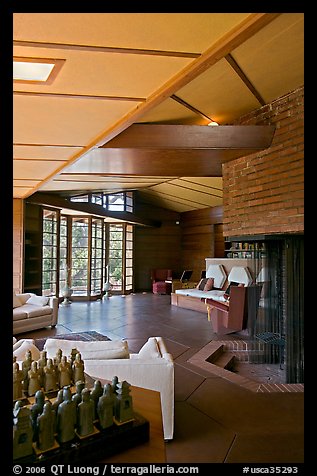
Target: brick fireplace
column 264, row 202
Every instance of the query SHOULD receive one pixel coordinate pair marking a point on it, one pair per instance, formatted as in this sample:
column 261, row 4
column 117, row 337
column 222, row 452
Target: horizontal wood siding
column 156, row 247
column 219, row 241
column 199, row 238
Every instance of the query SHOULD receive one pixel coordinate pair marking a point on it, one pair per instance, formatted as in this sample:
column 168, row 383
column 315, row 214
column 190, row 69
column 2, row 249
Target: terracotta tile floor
column 216, row 421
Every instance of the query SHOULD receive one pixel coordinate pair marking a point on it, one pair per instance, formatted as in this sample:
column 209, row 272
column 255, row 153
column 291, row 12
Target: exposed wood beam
column 104, row 49
column 244, row 78
column 77, row 96
column 89, row 208
column 208, row 193
column 161, row 162
column 191, row 108
column 162, row 136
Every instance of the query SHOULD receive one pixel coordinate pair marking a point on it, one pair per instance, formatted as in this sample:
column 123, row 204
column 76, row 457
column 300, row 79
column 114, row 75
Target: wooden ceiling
column 129, row 107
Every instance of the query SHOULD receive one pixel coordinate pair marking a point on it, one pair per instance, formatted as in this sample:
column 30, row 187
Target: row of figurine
column 46, row 425
column 46, row 373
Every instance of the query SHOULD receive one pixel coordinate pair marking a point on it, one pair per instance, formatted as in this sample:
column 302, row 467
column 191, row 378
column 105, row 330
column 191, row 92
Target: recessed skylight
column 36, row 70
column 26, row 71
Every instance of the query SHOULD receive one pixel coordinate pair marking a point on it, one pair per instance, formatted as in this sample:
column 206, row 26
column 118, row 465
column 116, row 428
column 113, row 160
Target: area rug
column 79, row 336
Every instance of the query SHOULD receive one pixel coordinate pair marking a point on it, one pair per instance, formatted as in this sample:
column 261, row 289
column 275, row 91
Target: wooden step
column 226, row 361
column 221, row 358
column 215, row 351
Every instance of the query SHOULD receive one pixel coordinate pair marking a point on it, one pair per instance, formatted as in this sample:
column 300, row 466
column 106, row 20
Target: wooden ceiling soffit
column 193, row 137
column 162, row 162
column 180, row 150
column 56, row 201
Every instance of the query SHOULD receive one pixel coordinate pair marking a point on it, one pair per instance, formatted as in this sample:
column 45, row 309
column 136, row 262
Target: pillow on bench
column 205, row 284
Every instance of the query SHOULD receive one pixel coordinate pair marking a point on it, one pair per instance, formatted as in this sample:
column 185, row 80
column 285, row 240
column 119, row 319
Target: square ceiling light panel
column 36, row 70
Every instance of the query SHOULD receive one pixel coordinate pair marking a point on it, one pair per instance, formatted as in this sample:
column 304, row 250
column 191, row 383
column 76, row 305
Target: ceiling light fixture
column 36, row 70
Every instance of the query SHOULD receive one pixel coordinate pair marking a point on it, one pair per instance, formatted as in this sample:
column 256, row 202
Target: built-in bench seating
column 227, row 312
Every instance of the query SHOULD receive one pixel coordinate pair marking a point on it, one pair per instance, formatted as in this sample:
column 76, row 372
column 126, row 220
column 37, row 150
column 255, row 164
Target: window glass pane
column 49, row 252
column 63, row 254
column 96, row 198
column 129, row 245
column 80, row 198
column 129, row 253
column 79, row 253
column 116, row 202
column 115, row 245
column 115, row 253
column 63, row 241
column 129, row 202
column 79, row 258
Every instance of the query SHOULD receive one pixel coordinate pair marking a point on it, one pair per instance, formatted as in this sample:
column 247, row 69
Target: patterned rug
column 80, row 336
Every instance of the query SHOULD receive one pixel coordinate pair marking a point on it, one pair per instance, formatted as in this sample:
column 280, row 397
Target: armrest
column 153, row 374
column 53, row 303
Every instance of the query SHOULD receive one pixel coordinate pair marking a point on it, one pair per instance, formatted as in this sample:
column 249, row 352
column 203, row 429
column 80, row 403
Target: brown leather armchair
column 159, row 278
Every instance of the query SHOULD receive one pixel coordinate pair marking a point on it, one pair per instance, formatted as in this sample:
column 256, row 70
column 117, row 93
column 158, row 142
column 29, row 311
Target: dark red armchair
column 159, row 278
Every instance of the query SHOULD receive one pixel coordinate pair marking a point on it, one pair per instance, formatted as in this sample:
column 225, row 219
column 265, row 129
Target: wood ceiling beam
column 77, row 96
column 191, row 108
column 162, row 136
column 57, row 201
column 105, row 49
column 234, row 65
column 161, row 162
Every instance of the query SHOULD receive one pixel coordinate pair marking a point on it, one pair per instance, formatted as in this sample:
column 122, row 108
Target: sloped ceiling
column 125, row 69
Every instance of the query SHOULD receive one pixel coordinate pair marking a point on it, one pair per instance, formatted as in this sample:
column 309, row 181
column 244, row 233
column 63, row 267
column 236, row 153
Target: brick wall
column 264, row 192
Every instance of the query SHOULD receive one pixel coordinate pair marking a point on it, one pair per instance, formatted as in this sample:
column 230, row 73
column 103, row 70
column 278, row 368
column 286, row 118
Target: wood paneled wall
column 186, row 245
column 156, row 247
column 201, row 238
column 18, row 213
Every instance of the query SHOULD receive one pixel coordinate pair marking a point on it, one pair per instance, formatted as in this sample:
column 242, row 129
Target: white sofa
column 151, row 368
column 32, row 312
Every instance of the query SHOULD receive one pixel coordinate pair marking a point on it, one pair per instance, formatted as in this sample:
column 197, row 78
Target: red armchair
column 159, row 278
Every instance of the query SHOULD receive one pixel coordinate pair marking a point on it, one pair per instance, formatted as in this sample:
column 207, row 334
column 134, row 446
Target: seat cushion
column 36, row 311
column 19, row 314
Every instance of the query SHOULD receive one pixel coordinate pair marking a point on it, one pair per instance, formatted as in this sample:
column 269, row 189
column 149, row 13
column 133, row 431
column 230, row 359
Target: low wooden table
column 148, row 404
